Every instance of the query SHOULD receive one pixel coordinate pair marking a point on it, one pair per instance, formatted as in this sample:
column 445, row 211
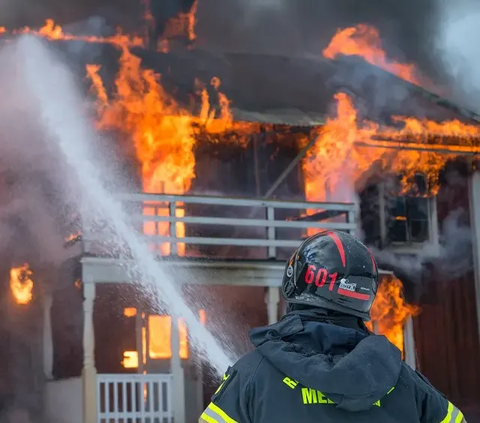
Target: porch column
column 178, row 382
column 475, row 230
column 47, row 335
column 272, row 299
column 89, row 373
column 409, row 344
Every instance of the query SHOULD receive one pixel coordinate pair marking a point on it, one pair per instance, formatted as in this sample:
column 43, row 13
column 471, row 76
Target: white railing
column 266, row 223
column 123, row 398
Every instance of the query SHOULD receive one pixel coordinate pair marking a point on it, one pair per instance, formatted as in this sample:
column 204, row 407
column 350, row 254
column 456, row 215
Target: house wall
column 63, row 401
column 446, row 339
column 446, row 330
column 21, row 352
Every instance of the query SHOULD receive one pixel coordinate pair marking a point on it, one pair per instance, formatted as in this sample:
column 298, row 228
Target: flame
column 130, row 312
column 21, row 284
column 202, row 316
column 53, row 31
column 164, row 134
column 130, row 360
column 390, row 311
column 144, row 342
column 364, row 40
column 160, row 335
column 159, row 338
column 347, row 149
column 73, row 237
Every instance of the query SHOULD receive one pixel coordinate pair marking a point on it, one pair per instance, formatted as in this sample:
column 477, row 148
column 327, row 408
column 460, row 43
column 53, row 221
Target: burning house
column 229, row 173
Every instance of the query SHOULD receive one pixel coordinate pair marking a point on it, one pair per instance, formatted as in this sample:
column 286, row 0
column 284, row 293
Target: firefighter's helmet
column 332, row 270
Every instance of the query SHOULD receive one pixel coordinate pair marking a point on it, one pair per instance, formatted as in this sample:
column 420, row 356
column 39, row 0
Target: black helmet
column 332, row 270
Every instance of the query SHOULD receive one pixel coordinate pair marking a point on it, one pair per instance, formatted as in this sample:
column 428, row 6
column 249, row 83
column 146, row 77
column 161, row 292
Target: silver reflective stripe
column 214, row 416
column 457, row 415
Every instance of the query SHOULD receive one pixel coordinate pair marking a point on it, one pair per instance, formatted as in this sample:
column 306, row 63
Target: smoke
column 448, row 261
column 456, row 42
column 34, row 192
column 293, row 28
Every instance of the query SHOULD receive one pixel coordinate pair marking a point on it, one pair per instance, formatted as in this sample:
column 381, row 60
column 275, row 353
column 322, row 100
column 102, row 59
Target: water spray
column 53, row 89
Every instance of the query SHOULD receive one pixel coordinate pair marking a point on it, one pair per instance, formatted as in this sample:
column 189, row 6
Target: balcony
column 244, row 241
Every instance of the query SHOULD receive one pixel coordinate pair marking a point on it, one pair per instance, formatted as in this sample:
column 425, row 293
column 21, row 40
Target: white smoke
column 31, row 179
column 457, row 35
column 451, row 259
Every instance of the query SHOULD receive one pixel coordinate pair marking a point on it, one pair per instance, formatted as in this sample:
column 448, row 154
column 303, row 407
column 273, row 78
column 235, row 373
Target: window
column 159, row 338
column 408, row 219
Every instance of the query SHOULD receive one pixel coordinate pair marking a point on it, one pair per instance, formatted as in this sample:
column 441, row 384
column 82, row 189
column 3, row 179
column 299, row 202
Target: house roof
column 276, row 89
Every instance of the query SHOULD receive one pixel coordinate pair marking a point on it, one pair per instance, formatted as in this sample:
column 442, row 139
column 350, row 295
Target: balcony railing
column 200, row 226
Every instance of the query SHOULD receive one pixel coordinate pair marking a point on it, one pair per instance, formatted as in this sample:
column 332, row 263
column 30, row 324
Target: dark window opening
column 407, row 219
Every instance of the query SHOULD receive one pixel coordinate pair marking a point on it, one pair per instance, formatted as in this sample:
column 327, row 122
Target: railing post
column 474, row 191
column 89, row 371
column 433, row 235
column 351, row 219
column 382, row 215
column 409, row 344
column 272, row 250
column 178, row 377
column 173, row 228
column 47, row 334
column 272, row 298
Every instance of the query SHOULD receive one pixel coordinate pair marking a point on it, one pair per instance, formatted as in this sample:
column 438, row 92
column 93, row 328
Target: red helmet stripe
column 338, row 243
column 352, row 294
column 373, row 260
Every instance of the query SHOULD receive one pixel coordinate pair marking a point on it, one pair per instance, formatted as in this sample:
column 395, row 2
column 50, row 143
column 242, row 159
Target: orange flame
column 159, row 338
column 390, row 311
column 164, row 133
column 73, row 237
column 52, row 31
column 21, row 284
column 363, row 40
column 347, row 149
column 130, row 360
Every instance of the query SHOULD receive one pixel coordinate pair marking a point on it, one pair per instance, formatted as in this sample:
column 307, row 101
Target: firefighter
column 320, row 363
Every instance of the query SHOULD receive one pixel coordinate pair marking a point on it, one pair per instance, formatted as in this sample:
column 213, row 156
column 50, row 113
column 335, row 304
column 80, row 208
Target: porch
column 163, row 397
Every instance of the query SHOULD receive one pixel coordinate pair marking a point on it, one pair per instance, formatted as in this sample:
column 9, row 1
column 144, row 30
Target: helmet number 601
column 319, row 276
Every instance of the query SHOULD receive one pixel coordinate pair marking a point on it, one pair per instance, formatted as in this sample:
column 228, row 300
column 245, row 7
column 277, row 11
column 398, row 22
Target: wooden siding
column 446, row 331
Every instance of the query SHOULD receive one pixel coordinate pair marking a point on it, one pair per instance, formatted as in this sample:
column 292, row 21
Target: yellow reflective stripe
column 219, row 414
column 460, row 417
column 454, row 415
column 448, row 417
column 225, row 377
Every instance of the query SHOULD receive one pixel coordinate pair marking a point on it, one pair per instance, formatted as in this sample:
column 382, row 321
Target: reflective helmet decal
column 338, row 243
